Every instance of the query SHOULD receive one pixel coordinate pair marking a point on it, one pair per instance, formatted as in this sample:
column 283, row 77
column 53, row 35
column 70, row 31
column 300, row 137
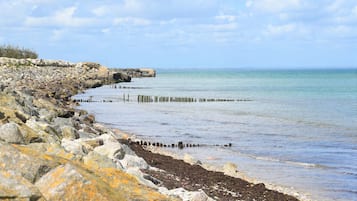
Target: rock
column 31, row 167
column 90, row 65
column 73, row 146
column 121, row 77
column 133, row 161
column 93, row 83
column 22, row 116
column 11, row 133
column 189, row 159
column 186, row 195
column 96, row 160
column 93, row 143
column 68, row 182
column 230, row 169
column 69, row 133
column 89, row 119
column 112, row 150
column 2, row 115
column 15, row 187
column 44, row 131
column 141, row 177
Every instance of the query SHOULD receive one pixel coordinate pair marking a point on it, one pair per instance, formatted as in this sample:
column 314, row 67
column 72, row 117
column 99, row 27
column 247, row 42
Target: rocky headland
column 51, row 151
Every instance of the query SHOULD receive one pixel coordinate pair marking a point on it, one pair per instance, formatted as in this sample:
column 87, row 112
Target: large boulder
column 68, row 182
column 95, row 160
column 121, row 77
column 74, row 146
column 112, row 150
column 27, row 165
column 69, row 132
column 15, row 187
column 130, row 161
column 11, row 133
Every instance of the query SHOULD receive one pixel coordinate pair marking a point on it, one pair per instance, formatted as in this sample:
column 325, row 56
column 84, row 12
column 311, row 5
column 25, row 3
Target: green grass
column 16, row 52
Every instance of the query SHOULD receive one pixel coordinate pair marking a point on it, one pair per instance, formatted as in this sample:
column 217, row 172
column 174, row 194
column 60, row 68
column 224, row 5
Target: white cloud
column 273, row 5
column 166, row 22
column 336, row 5
column 132, row 21
column 64, row 17
column 100, row 11
column 220, row 27
column 229, row 18
column 58, row 34
column 279, row 29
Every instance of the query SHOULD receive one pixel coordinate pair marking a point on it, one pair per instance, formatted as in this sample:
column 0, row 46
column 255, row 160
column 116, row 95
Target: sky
column 186, row 33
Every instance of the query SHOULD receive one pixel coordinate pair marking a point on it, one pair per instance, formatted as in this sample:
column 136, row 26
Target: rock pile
column 51, row 151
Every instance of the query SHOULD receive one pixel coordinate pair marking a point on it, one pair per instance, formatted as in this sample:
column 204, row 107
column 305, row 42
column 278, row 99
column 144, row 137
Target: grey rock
column 69, row 133
column 133, row 161
column 97, row 160
column 28, row 166
column 15, row 187
column 11, row 133
column 112, row 150
column 74, row 146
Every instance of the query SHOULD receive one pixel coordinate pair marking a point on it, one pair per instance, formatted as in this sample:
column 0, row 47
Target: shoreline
column 39, row 121
column 228, row 169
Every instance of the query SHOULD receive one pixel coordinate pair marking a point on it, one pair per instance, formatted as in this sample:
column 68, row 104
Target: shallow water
column 299, row 130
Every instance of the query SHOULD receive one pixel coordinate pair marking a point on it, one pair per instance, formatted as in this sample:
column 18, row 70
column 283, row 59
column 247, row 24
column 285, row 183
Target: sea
column 295, row 128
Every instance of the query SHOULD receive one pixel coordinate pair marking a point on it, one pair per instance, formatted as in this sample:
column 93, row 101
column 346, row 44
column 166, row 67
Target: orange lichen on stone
column 129, row 185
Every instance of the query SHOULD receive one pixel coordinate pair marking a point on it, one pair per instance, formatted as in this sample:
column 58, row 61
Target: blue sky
column 186, row 33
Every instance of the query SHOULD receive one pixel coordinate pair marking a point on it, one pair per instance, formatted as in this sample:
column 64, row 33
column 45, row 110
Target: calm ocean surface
column 299, row 130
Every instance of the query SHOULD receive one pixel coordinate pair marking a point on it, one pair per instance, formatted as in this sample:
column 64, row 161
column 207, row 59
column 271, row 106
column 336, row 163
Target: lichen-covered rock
column 95, row 160
column 69, row 133
column 15, row 187
column 70, row 182
column 74, row 146
column 26, row 165
column 133, row 161
column 111, row 150
column 44, row 130
column 11, row 133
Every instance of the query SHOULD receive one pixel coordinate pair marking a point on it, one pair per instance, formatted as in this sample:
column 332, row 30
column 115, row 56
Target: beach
column 51, row 150
column 293, row 130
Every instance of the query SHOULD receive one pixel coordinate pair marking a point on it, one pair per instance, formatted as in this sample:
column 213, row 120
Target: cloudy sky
column 186, row 33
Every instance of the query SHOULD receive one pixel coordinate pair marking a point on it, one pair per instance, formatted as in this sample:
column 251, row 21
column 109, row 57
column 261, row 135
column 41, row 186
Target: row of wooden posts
column 151, row 99
column 156, row 99
column 179, row 145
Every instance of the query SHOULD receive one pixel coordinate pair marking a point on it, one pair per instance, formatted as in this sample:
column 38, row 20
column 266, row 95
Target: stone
column 230, row 169
column 70, row 182
column 11, row 133
column 93, row 83
column 73, row 146
column 69, row 133
column 31, row 167
column 186, row 195
column 121, row 77
column 44, row 130
column 133, row 161
column 67, row 182
column 95, row 160
column 15, row 187
column 112, row 150
column 2, row 115
column 191, row 160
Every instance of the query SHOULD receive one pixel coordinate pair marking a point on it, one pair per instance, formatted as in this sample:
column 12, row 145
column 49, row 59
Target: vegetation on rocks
column 17, row 52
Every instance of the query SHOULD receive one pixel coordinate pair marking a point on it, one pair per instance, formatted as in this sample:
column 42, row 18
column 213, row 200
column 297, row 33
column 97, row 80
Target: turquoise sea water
column 299, row 131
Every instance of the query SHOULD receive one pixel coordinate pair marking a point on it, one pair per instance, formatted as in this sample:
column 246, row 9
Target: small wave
column 300, row 164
